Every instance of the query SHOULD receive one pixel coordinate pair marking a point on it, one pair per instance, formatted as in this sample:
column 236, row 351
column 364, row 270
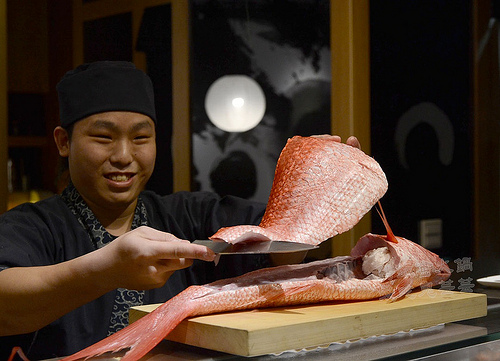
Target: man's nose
column 122, row 152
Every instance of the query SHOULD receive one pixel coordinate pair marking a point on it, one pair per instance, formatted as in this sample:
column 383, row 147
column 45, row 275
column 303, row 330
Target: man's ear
column 62, row 141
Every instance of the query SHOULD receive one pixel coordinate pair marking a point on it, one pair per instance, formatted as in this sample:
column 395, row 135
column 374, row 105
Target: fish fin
column 299, row 289
column 402, row 288
column 399, row 274
column 17, row 350
column 275, row 292
column 390, row 235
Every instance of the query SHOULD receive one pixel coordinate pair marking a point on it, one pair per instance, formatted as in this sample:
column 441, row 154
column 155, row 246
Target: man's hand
column 145, row 258
column 352, row 140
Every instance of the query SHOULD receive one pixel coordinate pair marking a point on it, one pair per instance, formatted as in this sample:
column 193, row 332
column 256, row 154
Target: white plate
column 491, row 281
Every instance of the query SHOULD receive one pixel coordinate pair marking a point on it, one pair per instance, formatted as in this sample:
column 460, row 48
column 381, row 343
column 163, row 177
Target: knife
column 256, row 247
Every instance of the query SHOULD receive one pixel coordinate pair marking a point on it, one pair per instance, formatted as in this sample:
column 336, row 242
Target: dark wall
column 421, row 115
column 284, row 46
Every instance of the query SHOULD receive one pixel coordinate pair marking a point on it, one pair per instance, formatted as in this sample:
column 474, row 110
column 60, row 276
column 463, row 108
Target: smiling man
column 72, row 265
column 112, row 156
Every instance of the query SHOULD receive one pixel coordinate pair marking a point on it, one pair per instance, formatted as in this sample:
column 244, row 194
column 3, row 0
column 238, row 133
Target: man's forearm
column 33, row 297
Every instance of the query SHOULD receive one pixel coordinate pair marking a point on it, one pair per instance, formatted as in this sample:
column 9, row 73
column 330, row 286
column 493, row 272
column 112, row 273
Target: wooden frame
column 486, row 112
column 181, row 140
column 3, row 106
column 350, row 54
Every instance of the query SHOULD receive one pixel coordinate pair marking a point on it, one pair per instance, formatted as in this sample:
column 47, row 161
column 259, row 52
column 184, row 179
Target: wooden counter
column 274, row 330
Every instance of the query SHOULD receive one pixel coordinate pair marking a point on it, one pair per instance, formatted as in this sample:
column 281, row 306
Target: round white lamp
column 235, row 103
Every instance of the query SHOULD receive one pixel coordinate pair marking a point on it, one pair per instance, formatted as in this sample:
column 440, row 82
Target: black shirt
column 47, row 232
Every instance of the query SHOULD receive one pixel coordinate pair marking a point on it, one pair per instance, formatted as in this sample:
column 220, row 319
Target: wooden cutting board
column 274, row 330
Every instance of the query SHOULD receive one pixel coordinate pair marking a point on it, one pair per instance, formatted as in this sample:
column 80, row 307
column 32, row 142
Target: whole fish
column 321, row 188
column 378, row 266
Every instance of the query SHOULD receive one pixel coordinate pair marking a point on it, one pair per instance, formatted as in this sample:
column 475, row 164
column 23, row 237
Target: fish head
column 408, row 265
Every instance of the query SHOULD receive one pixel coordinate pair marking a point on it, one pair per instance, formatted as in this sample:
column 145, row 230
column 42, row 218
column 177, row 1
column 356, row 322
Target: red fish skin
column 282, row 286
column 417, row 266
column 321, row 188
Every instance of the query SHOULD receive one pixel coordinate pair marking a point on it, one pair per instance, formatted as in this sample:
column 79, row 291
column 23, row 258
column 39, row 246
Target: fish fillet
column 321, row 188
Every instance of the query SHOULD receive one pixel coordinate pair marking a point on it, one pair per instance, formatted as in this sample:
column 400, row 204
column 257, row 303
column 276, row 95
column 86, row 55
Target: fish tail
column 143, row 335
column 121, row 340
column 154, row 331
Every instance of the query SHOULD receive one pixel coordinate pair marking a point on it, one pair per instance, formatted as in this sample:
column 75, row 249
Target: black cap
column 102, row 87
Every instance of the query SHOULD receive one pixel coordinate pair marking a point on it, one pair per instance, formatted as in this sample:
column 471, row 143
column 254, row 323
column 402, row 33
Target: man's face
column 111, row 157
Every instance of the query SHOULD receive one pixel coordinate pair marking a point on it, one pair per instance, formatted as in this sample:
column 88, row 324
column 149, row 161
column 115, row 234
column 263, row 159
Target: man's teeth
column 119, row 177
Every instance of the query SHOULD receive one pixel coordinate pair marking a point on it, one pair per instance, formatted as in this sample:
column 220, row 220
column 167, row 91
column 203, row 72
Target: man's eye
column 102, row 136
column 142, row 137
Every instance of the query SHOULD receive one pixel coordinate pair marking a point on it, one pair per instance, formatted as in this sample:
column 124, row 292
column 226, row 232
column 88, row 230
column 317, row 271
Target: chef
column 72, row 265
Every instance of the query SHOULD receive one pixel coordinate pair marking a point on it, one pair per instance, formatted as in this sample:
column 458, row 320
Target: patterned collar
column 98, row 234
column 124, row 298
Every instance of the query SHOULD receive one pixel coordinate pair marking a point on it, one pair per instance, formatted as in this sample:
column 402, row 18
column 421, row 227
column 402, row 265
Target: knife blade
column 256, row 247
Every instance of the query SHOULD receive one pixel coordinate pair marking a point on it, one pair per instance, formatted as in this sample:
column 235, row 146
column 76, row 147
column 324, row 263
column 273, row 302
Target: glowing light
column 235, row 103
column 238, row 102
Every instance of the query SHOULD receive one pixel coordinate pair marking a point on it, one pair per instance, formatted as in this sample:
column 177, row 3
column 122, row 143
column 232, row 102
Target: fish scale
column 321, row 188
